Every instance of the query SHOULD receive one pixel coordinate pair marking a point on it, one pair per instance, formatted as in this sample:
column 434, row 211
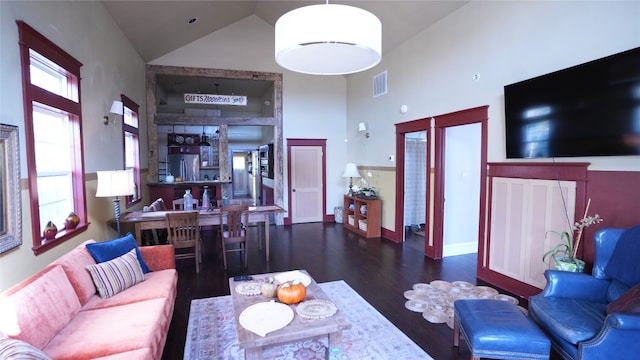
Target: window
column 131, row 136
column 53, row 132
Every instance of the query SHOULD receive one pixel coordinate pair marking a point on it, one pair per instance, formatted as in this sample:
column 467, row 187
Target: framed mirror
column 10, row 201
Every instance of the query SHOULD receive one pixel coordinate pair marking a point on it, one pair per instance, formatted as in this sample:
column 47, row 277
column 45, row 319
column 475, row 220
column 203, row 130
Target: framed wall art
column 10, row 194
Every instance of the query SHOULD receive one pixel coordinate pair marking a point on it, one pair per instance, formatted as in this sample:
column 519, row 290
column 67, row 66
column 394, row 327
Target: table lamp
column 114, row 184
column 351, row 171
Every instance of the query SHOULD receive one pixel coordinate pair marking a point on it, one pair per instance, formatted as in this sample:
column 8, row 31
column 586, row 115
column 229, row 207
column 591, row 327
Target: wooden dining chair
column 183, row 232
column 157, row 205
column 233, row 219
column 178, row 204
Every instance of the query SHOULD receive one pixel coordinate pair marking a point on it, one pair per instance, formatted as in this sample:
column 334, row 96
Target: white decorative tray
column 293, row 275
column 249, row 288
column 266, row 317
column 316, row 309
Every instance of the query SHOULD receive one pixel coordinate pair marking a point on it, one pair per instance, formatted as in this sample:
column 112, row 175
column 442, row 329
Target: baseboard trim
column 460, row 249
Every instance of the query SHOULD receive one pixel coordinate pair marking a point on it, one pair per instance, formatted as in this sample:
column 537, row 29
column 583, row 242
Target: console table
column 364, row 217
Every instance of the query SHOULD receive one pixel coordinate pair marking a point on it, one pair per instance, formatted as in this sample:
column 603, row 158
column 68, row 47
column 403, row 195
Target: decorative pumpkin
column 50, row 231
column 291, row 292
column 71, row 221
column 269, row 289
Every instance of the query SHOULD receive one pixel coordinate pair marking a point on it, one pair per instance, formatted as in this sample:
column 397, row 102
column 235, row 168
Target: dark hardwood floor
column 379, row 270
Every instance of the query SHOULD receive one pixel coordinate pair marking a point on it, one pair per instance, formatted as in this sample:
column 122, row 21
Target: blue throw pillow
column 623, row 264
column 109, row 250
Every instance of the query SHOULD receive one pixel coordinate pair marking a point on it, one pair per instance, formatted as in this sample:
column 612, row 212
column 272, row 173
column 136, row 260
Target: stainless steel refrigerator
column 186, row 166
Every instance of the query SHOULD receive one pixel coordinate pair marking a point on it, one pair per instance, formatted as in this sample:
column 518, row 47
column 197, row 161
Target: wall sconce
column 117, row 108
column 362, row 127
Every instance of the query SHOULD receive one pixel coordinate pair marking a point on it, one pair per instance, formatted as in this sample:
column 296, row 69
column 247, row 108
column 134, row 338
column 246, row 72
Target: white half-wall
column 504, row 42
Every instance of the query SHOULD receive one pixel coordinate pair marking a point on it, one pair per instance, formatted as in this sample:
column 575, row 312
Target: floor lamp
column 351, row 171
column 114, row 184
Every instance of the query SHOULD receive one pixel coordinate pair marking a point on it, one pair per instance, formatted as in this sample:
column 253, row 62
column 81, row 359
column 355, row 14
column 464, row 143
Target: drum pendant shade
column 328, row 39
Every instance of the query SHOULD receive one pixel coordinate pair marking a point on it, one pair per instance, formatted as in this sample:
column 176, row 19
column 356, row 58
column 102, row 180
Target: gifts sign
column 215, row 99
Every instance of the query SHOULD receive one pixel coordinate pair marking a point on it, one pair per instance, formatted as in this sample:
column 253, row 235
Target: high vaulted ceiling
column 156, row 28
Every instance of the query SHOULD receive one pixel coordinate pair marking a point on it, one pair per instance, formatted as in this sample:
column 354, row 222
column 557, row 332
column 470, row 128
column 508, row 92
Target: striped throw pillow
column 114, row 276
column 14, row 349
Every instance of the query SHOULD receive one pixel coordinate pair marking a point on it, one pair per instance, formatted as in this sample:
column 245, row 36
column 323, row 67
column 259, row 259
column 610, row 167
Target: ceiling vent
column 380, row 84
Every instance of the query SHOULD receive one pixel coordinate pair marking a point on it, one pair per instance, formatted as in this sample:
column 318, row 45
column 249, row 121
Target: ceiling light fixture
column 171, row 137
column 203, row 139
column 328, row 39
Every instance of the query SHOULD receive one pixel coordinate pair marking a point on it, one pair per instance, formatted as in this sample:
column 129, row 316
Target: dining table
column 149, row 220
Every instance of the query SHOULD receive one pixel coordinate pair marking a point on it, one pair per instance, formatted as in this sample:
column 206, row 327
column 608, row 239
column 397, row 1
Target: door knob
column 294, row 190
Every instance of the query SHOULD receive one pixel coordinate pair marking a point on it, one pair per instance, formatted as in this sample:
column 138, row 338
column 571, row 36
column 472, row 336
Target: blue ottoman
column 498, row 330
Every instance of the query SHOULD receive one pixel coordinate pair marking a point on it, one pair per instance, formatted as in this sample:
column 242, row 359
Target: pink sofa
column 59, row 312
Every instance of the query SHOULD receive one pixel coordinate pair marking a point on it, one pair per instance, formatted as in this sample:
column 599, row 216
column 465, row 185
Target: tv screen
column 592, row 109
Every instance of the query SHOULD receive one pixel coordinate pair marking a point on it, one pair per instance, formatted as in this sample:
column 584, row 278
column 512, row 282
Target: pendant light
column 172, row 137
column 203, row 139
column 328, row 39
column 218, row 106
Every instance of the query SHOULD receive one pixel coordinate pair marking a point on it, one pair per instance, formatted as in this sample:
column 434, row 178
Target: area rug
column 211, row 333
column 435, row 300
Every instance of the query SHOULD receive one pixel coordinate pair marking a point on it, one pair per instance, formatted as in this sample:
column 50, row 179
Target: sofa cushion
column 159, row 257
column 616, row 290
column 627, row 303
column 14, row 349
column 157, row 284
column 36, row 310
column 624, row 265
column 75, row 264
column 109, row 250
column 571, row 319
column 114, row 276
column 114, row 330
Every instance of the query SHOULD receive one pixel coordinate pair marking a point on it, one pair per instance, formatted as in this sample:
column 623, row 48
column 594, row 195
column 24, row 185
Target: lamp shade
column 115, row 183
column 328, row 39
column 362, row 127
column 117, row 108
column 351, row 170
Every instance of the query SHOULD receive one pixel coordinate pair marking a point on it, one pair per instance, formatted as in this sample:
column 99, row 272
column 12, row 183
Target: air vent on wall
column 380, row 84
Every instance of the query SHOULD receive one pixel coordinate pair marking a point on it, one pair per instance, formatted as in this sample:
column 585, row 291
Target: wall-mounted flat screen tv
column 592, row 109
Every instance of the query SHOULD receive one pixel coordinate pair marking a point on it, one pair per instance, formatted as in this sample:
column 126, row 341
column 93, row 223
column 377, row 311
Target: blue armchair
column 573, row 307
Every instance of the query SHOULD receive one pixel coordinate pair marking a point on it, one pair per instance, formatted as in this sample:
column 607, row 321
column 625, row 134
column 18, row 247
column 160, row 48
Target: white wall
column 85, row 30
column 313, row 106
column 503, row 41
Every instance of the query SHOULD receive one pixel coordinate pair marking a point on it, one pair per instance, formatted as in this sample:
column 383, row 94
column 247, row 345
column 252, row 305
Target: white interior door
column 240, row 174
column 462, row 189
column 306, row 184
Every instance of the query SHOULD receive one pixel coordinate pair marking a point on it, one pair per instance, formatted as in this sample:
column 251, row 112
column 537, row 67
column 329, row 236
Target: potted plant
column 367, row 191
column 564, row 254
